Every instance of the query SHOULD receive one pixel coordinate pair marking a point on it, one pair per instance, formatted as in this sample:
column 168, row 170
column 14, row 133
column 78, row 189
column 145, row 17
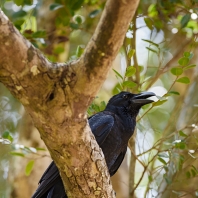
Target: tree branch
column 105, row 43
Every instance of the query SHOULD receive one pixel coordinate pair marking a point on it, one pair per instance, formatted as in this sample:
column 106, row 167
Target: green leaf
column 78, row 19
column 102, row 105
column 58, row 49
column 177, row 71
column 19, row 2
column 181, row 162
column 149, row 23
column 117, row 89
column 65, row 20
column 55, row 6
column 29, row 25
column 7, row 135
column 183, row 61
column 193, row 167
column 188, row 175
column 74, row 26
column 162, row 160
column 187, row 54
column 141, row 68
column 166, row 168
column 118, row 74
column 159, row 102
column 20, row 13
column 181, row 133
column 17, row 154
column 184, row 21
column 151, row 42
column 130, row 71
column 18, row 22
column 29, row 167
column 95, row 107
column 94, row 13
column 28, row 2
column 150, row 178
column 193, row 172
column 131, row 53
column 129, row 84
column 79, row 50
column 39, row 34
column 90, row 112
column 189, row 66
column 184, row 80
column 77, row 4
column 40, row 149
column 152, row 50
column 174, row 92
column 180, row 145
column 152, row 10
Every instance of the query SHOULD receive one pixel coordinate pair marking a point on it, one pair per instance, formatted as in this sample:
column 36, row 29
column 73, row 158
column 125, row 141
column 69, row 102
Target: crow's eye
column 125, row 96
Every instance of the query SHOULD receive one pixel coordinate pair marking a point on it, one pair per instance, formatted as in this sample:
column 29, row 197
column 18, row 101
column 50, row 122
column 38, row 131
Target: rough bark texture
column 57, row 95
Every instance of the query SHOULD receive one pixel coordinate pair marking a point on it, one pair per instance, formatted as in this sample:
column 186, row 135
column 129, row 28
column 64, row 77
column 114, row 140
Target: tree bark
column 56, row 95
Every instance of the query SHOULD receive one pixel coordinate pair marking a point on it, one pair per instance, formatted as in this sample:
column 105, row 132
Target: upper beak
column 142, row 98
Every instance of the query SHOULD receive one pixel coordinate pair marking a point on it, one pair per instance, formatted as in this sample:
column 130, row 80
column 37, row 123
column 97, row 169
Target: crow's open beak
column 142, row 98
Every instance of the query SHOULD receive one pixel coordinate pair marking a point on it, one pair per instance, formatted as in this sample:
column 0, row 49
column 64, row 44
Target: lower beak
column 142, row 98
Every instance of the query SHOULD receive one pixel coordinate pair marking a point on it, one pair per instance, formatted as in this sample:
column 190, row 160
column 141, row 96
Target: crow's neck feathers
column 123, row 111
column 126, row 115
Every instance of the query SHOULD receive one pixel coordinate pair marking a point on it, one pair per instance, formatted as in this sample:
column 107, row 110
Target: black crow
column 112, row 129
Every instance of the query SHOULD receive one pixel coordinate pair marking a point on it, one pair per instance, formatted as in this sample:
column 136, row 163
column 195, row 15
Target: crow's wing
column 57, row 191
column 49, row 179
column 118, row 162
column 101, row 125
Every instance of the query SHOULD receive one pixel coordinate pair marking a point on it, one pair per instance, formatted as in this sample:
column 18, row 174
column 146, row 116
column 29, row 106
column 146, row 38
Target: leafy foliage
column 95, row 108
column 29, row 167
column 71, row 16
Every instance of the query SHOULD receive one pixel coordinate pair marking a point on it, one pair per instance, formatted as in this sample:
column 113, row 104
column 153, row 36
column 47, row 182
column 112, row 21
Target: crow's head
column 130, row 101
